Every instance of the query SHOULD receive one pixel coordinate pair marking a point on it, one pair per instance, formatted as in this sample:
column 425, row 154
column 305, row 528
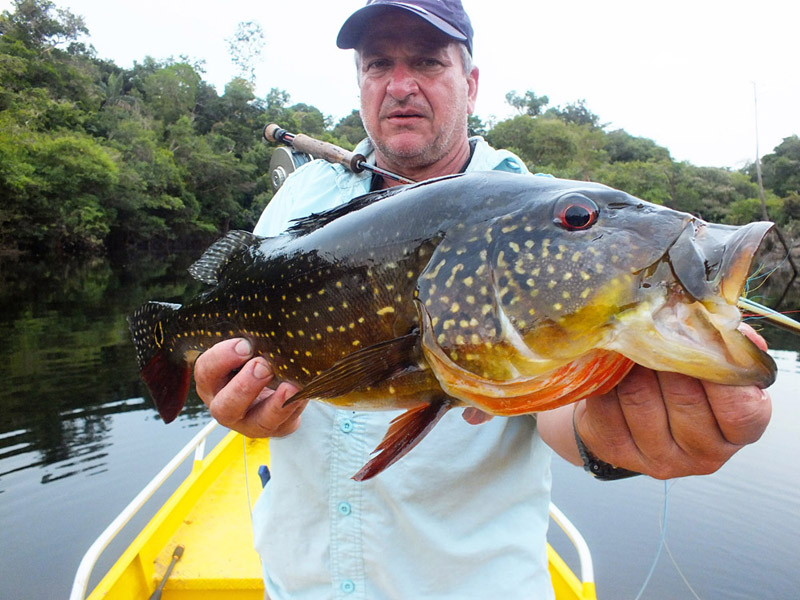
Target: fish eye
column 575, row 212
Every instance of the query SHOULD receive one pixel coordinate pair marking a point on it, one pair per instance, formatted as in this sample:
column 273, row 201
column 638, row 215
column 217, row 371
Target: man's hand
column 241, row 400
column 663, row 424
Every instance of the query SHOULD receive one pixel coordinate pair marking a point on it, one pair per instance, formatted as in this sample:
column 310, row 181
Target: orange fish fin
column 362, row 369
column 405, row 432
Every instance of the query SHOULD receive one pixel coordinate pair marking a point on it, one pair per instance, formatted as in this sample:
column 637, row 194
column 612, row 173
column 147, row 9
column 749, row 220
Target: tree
column 781, row 170
column 575, row 113
column 529, row 104
column 350, row 128
column 33, row 23
column 245, row 47
column 623, row 147
column 171, row 91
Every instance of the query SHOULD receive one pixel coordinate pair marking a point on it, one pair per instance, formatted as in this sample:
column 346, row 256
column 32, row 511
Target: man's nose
column 402, row 82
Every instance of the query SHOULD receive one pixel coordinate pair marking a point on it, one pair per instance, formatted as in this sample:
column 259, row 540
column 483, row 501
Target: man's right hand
column 241, row 400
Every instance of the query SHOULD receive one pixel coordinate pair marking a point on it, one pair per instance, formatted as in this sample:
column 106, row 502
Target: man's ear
column 472, row 90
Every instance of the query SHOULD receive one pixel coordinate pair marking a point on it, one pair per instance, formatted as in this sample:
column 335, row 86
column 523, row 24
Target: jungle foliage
column 96, row 158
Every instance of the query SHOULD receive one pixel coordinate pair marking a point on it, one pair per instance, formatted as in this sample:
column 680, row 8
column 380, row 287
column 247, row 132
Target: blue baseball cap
column 447, row 16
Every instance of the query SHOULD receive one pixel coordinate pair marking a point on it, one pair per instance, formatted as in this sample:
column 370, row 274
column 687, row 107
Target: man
column 464, row 514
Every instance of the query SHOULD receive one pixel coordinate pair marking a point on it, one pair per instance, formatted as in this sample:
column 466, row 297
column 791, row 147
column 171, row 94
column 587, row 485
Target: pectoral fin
column 362, row 369
column 405, row 432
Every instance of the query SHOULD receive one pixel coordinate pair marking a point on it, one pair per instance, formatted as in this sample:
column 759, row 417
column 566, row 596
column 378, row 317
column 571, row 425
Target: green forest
column 96, row 159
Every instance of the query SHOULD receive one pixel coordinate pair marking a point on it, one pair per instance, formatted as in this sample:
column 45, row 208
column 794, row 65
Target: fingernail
column 243, row 348
column 260, row 371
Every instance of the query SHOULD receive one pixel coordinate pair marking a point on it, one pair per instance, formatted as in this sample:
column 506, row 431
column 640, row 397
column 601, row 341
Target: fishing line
column 660, row 543
column 247, row 481
column 764, row 276
column 663, row 545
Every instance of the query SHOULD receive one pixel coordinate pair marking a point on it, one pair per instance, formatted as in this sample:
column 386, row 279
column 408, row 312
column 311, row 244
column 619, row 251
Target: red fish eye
column 575, row 212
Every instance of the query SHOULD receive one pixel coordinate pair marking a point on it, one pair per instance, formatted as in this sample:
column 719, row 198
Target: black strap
column 598, row 468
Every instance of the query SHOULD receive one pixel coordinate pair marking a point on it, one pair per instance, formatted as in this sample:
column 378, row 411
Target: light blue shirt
column 463, row 515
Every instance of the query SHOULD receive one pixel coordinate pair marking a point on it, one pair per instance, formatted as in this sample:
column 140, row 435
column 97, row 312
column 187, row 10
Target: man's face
column 415, row 97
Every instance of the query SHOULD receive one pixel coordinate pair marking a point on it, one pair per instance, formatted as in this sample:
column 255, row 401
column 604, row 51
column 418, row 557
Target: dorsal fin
column 314, row 221
column 209, row 266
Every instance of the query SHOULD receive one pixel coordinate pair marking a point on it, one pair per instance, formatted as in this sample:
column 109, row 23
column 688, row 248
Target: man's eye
column 377, row 64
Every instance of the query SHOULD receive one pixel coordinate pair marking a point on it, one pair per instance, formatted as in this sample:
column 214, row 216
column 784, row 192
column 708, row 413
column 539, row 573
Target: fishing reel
column 283, row 163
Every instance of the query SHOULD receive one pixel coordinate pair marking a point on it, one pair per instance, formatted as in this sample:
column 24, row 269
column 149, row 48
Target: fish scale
column 508, row 293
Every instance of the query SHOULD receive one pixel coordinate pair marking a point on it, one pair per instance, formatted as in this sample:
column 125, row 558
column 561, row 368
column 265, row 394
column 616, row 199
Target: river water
column 79, row 439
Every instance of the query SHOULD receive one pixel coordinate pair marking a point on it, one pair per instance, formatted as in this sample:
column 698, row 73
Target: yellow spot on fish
column 455, row 307
column 387, row 309
column 585, row 293
column 513, row 245
column 558, row 306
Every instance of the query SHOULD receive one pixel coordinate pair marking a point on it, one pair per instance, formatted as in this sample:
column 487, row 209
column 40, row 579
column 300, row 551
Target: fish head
column 582, row 270
column 657, row 285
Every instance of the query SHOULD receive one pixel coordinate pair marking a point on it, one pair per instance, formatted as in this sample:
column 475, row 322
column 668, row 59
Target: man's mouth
column 404, row 116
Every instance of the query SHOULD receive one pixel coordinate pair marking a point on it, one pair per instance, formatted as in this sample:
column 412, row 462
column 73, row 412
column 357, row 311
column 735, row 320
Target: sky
column 682, row 73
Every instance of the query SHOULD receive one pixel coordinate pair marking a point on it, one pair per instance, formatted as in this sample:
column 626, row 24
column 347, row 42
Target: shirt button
column 344, row 508
column 347, row 426
column 348, row 587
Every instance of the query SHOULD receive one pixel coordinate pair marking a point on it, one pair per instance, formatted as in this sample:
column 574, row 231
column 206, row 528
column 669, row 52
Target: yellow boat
column 199, row 544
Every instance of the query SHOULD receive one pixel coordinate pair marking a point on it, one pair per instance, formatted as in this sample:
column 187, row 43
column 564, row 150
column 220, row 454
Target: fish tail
column 166, row 373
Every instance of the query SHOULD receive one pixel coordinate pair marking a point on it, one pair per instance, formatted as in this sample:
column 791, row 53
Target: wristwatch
column 598, row 468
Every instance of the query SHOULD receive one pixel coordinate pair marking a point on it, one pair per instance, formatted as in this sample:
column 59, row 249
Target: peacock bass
column 512, row 294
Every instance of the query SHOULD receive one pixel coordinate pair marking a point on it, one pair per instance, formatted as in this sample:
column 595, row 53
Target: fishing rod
column 773, row 317
column 325, row 150
column 357, row 163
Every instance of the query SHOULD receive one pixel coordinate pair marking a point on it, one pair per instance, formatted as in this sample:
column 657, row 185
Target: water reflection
column 66, row 360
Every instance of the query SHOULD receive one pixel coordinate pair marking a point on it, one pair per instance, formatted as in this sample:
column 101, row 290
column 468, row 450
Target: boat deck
column 209, row 515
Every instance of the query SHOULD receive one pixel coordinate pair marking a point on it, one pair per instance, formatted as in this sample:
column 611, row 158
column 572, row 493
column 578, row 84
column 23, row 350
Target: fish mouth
column 712, row 261
column 692, row 325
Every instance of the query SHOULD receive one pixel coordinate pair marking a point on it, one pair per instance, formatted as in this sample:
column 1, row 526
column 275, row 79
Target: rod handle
column 328, row 151
column 316, row 148
column 273, row 133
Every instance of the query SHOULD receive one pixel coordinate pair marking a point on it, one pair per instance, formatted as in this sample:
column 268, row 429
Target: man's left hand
column 668, row 425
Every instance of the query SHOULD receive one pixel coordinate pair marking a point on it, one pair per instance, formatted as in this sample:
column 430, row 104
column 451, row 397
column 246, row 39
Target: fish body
column 508, row 293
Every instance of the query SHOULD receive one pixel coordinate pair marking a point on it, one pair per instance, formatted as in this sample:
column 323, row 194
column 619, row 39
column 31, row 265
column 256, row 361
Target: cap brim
column 353, row 29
